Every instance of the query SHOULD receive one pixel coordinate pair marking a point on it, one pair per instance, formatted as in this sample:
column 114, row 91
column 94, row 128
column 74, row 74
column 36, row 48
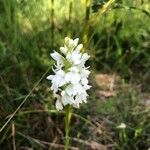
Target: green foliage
column 126, row 107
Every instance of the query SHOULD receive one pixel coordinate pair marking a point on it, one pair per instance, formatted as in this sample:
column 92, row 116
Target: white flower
column 74, row 69
column 74, row 57
column 79, row 99
column 75, row 42
column 59, row 59
column 64, row 49
column 84, row 72
column 79, row 47
column 73, row 76
column 57, row 80
column 122, row 126
column 66, row 99
column 84, row 58
column 56, row 56
column 70, row 75
column 59, row 105
column 72, row 89
column 71, row 43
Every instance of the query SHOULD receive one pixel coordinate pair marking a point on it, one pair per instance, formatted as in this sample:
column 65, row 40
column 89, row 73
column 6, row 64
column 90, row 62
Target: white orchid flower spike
column 70, row 75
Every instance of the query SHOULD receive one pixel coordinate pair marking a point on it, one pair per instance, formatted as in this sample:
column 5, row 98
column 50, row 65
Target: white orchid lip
column 70, row 75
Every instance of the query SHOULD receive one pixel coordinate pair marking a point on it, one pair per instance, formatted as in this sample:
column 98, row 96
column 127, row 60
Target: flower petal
column 63, row 50
column 79, row 47
column 75, row 42
column 59, row 105
column 85, row 57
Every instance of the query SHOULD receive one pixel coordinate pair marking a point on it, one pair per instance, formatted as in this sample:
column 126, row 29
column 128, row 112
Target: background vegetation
column 117, row 36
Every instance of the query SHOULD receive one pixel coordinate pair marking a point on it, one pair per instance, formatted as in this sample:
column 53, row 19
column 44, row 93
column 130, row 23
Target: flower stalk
column 67, row 124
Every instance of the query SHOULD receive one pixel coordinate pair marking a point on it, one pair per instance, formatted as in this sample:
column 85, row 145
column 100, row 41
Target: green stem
column 67, row 129
column 52, row 22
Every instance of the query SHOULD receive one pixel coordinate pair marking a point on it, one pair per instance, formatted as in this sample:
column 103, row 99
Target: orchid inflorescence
column 70, row 75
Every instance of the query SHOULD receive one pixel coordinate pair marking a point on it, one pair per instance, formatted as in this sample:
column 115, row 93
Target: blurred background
column 115, row 33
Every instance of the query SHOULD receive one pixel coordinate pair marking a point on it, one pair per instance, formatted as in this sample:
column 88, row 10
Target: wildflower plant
column 70, row 75
column 70, row 79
